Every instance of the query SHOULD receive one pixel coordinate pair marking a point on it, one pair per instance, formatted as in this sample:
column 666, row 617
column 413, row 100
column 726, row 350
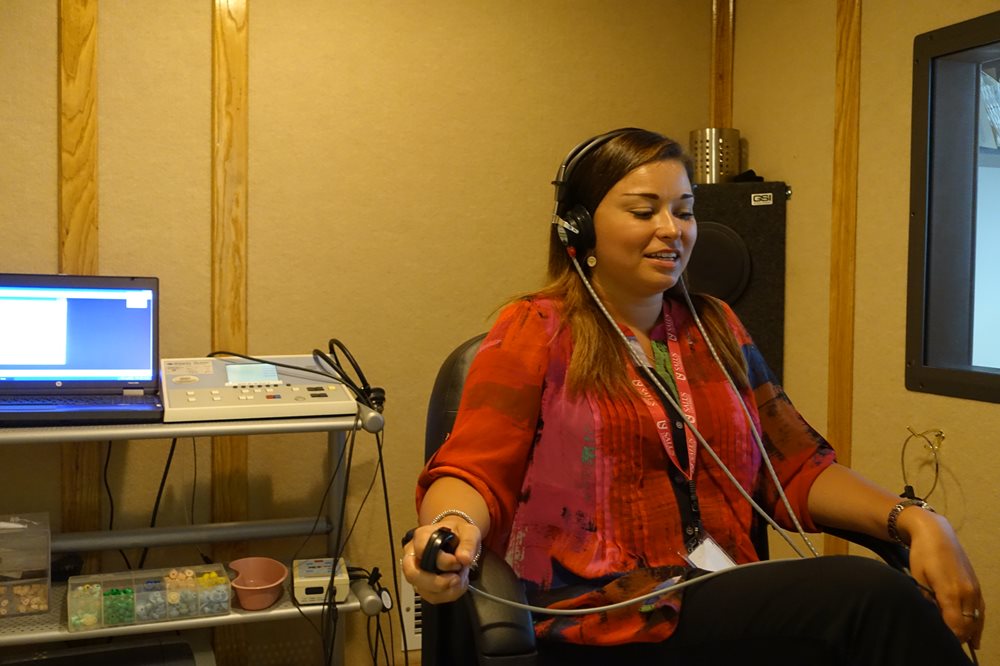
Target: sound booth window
column 953, row 290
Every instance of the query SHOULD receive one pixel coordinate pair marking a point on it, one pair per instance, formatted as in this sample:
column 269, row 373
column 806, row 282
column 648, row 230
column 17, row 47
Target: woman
column 591, row 455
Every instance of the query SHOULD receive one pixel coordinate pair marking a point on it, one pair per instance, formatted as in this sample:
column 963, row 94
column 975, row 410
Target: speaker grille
column 726, row 271
column 740, row 257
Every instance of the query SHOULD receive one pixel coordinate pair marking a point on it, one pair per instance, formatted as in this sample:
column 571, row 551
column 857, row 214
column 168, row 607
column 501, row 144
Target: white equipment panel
column 311, row 580
column 228, row 388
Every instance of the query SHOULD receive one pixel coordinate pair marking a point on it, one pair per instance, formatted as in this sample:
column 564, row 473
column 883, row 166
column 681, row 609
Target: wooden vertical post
column 840, row 397
column 230, row 41
column 720, row 98
column 229, row 232
column 77, row 226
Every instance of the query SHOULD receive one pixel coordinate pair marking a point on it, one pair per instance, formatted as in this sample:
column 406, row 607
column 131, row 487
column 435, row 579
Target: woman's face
column 645, row 231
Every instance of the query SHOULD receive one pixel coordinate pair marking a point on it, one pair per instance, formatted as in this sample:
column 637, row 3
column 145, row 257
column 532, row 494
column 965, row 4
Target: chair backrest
column 471, row 631
column 447, row 394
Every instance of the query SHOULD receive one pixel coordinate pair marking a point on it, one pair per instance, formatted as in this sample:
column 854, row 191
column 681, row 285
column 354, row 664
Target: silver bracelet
column 453, row 512
column 467, row 518
column 894, row 516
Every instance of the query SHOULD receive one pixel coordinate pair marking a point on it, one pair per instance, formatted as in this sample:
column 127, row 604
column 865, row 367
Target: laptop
column 78, row 350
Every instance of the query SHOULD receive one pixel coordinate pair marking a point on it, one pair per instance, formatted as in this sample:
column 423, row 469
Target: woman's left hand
column 938, row 562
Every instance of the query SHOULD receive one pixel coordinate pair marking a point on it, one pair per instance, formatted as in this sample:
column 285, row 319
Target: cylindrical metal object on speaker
column 716, row 154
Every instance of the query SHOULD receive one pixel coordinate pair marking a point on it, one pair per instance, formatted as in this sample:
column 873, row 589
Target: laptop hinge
column 132, row 392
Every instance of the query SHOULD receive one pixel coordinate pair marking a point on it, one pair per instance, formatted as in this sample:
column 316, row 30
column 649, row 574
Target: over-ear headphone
column 574, row 223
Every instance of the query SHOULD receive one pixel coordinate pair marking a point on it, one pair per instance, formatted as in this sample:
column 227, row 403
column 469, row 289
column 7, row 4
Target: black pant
column 827, row 611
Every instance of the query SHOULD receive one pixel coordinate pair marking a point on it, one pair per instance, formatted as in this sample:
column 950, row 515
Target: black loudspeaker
column 739, row 257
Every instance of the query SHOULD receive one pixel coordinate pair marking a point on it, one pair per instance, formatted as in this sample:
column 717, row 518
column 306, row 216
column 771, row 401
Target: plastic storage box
column 24, row 564
column 147, row 595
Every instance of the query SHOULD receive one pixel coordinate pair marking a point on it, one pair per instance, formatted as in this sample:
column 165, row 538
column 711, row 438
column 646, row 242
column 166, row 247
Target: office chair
column 475, row 630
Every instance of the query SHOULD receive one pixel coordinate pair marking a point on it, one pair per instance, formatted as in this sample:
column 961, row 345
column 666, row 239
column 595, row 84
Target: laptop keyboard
column 8, row 401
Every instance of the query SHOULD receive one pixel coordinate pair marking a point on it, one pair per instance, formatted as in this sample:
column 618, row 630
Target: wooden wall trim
column 230, row 42
column 229, row 174
column 78, row 136
column 80, row 492
column 840, row 396
column 720, row 98
column 229, row 231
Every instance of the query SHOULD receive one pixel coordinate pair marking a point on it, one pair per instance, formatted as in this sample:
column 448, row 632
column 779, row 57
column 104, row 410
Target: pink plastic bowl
column 258, row 583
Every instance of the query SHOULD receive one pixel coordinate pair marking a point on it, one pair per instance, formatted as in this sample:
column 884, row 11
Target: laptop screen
column 66, row 332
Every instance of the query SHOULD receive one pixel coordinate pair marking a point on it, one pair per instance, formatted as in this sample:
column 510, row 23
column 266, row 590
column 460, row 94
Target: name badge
column 709, row 556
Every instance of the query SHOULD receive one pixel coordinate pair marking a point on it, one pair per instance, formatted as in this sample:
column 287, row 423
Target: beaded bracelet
column 467, row 518
column 894, row 516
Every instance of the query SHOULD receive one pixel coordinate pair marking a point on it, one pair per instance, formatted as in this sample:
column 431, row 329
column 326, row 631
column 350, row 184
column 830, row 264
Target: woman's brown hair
column 598, row 354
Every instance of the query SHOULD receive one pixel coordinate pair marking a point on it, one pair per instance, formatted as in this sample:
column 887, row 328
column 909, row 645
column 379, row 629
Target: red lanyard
column 684, row 400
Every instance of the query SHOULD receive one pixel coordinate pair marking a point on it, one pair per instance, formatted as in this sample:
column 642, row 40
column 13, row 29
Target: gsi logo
column 765, row 199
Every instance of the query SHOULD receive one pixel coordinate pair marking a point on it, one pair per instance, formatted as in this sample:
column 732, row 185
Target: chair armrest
column 895, row 555
column 503, row 635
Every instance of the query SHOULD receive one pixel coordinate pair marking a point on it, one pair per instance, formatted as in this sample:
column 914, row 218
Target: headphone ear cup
column 585, row 238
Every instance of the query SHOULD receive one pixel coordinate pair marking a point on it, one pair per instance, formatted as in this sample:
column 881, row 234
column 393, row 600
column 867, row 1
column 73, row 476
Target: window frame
column 943, row 165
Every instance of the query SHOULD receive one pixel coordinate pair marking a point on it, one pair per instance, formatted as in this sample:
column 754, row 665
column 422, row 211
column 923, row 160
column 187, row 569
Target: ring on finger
column 975, row 614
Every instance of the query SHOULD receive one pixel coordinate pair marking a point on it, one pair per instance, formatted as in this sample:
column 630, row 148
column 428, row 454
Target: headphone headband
column 578, row 152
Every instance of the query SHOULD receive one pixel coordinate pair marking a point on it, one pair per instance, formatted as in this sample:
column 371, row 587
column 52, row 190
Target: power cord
column 159, row 496
column 392, row 555
column 189, row 509
column 372, row 580
column 330, row 615
column 372, row 397
column 385, row 596
column 111, row 501
column 312, row 532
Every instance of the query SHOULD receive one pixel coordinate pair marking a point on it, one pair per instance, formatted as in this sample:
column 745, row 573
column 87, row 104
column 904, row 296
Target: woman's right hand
column 448, row 586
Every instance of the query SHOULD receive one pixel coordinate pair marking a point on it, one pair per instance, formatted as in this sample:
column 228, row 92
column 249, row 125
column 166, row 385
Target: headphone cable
column 701, row 440
column 753, row 427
